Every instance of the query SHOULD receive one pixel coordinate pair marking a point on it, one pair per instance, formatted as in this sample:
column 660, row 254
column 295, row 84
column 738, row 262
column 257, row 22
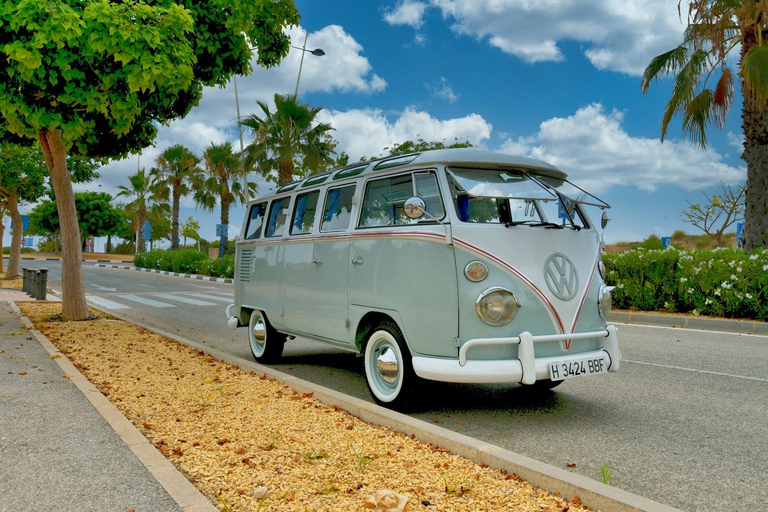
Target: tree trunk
column 74, row 306
column 754, row 117
column 17, row 234
column 108, row 250
column 285, row 172
column 2, row 233
column 56, row 242
column 141, row 244
column 175, row 220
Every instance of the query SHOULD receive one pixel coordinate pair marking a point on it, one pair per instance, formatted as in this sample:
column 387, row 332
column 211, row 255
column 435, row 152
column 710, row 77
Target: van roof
column 460, row 157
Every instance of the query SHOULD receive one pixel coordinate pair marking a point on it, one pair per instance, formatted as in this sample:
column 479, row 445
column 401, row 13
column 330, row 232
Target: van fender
column 361, row 316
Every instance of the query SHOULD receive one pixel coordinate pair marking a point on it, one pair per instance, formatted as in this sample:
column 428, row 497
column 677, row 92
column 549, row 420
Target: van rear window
column 338, row 209
column 255, row 221
column 278, row 217
column 304, row 214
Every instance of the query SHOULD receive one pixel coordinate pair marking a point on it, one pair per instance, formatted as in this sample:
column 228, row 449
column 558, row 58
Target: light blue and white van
column 453, row 265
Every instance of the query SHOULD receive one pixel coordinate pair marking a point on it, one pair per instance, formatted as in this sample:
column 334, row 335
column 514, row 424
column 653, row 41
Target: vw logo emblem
column 561, row 277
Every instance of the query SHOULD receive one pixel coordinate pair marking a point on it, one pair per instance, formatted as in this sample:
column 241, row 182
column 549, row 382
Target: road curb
column 181, row 490
column 690, row 322
column 592, row 493
column 176, row 274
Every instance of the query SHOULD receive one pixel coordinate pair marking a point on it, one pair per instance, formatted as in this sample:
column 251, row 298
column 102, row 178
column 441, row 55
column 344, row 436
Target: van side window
column 384, row 199
column 255, row 221
column 304, row 213
column 338, row 209
column 278, row 216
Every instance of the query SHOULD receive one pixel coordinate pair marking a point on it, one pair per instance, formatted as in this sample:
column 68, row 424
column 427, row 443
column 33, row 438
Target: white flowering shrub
column 722, row 282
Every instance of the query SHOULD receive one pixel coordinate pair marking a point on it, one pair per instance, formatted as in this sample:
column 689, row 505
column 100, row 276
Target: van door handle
column 358, row 261
column 317, row 262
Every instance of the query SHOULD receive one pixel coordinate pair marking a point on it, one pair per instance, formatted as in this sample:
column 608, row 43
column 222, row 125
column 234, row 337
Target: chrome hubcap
column 258, row 333
column 387, row 365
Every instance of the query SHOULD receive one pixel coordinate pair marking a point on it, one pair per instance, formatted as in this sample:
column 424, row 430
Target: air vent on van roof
column 396, row 161
column 348, row 173
column 314, row 180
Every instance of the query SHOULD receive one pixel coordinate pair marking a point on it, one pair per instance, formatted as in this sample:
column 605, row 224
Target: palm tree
column 715, row 29
column 141, row 191
column 225, row 175
column 290, row 132
column 176, row 172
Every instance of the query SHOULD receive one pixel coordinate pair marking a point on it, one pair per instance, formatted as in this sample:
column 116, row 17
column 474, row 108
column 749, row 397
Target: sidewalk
column 58, row 453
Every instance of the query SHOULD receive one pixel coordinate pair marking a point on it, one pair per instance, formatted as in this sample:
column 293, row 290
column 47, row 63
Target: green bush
column 186, row 261
column 722, row 282
column 124, row 248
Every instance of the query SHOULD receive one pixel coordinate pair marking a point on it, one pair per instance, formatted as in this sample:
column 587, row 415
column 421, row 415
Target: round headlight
column 601, row 269
column 475, row 271
column 604, row 300
column 496, row 306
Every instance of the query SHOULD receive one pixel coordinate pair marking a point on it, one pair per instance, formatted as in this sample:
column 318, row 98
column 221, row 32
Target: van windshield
column 517, row 198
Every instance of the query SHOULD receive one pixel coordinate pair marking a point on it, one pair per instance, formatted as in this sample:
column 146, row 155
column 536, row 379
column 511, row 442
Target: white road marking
column 201, row 287
column 146, row 301
column 109, row 304
column 186, row 300
column 695, row 370
column 145, row 285
column 106, row 289
column 229, row 298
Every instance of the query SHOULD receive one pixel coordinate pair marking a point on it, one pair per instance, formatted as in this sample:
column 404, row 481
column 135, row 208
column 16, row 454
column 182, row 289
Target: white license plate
column 577, row 368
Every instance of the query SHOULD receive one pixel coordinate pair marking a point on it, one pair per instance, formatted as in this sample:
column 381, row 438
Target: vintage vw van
column 452, row 265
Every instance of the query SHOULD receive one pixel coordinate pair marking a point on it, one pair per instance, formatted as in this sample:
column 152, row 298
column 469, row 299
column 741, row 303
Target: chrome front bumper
column 526, row 369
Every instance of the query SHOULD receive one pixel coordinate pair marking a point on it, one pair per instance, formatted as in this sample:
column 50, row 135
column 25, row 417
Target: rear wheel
column 388, row 367
column 266, row 343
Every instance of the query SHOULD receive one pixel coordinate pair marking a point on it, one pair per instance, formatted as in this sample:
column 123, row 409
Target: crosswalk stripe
column 146, row 301
column 222, row 298
column 185, row 300
column 109, row 304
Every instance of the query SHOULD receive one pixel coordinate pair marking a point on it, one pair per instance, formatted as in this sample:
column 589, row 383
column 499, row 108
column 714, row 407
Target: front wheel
column 266, row 343
column 388, row 367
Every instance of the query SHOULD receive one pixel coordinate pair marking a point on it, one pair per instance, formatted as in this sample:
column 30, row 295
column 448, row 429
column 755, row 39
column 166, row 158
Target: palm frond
column 754, row 70
column 663, row 65
column 697, row 115
column 723, row 98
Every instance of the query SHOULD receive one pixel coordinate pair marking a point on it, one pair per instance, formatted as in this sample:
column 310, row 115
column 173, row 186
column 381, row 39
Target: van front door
column 403, row 266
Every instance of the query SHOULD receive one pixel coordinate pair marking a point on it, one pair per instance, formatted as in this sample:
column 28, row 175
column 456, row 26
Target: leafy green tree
column 141, row 191
column 96, row 78
column 409, row 146
column 289, row 134
column 703, row 89
column 225, row 174
column 22, row 176
column 191, row 229
column 718, row 213
column 96, row 215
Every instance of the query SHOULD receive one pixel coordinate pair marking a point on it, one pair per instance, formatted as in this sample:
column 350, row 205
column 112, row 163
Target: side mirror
column 604, row 220
column 414, row 208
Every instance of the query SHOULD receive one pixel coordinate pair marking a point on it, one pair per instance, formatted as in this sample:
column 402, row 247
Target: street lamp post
column 317, row 52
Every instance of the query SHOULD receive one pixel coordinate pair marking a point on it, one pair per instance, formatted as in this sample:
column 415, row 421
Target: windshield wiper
column 548, row 225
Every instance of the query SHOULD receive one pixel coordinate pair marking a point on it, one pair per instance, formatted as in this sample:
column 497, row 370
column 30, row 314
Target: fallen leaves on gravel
column 250, row 443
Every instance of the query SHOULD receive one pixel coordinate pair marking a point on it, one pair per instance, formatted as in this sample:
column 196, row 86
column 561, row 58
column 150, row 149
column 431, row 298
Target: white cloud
column 593, row 148
column 443, row 91
column 619, row 35
column 407, row 12
column 365, row 133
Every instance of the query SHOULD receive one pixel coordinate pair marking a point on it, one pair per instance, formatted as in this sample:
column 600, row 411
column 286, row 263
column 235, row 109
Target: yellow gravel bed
column 250, row 443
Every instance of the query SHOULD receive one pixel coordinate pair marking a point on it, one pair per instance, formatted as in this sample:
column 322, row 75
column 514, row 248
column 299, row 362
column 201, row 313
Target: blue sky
column 556, row 80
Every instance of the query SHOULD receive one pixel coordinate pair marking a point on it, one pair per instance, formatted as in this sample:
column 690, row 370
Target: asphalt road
column 684, row 423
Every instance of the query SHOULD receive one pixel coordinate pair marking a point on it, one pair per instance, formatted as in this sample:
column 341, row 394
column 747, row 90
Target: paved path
column 57, row 452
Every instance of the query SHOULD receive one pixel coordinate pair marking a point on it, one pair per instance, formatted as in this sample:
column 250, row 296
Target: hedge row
column 188, row 261
column 722, row 282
